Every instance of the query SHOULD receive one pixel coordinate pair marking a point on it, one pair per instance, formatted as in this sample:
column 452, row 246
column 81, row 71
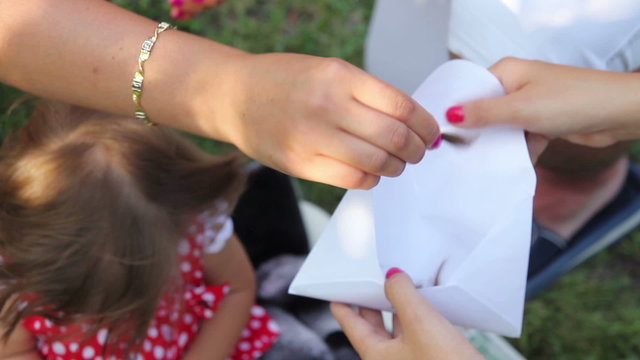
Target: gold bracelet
column 138, row 77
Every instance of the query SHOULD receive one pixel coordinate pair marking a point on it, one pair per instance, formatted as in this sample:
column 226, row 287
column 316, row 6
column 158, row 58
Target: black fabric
column 267, row 218
column 309, row 330
column 543, row 252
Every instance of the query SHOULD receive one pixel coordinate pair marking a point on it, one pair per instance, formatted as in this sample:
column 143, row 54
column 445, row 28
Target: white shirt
column 599, row 34
column 408, row 39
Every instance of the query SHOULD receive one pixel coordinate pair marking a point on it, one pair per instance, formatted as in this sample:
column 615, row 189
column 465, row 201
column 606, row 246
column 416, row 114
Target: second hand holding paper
column 458, row 222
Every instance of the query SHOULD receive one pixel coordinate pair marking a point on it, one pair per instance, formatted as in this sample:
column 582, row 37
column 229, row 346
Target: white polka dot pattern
column 88, row 352
column 173, row 328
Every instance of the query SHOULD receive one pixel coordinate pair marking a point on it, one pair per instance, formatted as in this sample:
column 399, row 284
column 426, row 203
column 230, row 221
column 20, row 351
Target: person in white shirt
column 580, row 204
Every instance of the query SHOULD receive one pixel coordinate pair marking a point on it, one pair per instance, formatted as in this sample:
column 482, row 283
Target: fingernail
column 436, row 144
column 455, row 114
column 176, row 3
column 393, row 271
column 177, row 13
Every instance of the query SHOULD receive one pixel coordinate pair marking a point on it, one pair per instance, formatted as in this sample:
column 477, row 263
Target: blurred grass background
column 592, row 313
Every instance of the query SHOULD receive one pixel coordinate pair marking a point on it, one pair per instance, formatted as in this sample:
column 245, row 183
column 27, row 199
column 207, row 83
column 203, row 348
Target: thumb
column 404, row 297
column 424, row 329
column 483, row 112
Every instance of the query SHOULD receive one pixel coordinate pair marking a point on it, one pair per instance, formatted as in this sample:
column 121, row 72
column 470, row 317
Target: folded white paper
column 459, row 222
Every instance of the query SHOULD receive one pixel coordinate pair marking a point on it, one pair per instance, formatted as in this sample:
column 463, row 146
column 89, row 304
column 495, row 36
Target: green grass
column 593, row 313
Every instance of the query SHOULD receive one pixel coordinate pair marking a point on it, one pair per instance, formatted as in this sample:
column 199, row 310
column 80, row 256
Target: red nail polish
column 455, row 114
column 393, row 271
column 436, row 143
column 176, row 3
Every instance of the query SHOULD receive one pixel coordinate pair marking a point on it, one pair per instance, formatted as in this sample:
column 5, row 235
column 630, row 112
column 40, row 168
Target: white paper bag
column 459, row 222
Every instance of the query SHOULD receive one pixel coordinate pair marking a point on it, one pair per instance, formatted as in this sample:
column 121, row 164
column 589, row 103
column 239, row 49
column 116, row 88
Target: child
column 117, row 243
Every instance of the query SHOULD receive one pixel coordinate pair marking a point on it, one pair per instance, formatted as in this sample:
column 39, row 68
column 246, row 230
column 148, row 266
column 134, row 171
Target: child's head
column 91, row 210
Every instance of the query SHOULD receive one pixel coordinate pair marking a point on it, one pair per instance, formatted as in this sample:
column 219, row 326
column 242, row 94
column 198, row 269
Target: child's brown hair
column 91, row 210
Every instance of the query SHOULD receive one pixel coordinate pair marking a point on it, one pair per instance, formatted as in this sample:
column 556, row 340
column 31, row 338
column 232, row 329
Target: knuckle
column 359, row 180
column 403, row 107
column 400, row 137
column 480, row 112
column 372, row 181
column 506, row 63
column 377, row 162
column 321, row 100
column 430, row 132
column 399, row 168
column 334, row 67
column 321, row 103
column 509, row 60
column 321, row 94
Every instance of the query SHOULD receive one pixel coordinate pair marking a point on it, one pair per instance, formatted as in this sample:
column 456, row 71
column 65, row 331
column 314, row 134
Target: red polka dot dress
column 173, row 327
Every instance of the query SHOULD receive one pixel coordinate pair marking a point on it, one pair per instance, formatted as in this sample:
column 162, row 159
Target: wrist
column 219, row 94
column 188, row 92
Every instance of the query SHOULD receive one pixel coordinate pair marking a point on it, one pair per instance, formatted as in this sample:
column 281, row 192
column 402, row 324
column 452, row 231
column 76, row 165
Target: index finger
column 361, row 333
column 385, row 98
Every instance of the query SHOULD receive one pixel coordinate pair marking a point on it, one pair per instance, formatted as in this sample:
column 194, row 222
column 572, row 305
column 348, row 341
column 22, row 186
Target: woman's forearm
column 317, row 118
column 85, row 53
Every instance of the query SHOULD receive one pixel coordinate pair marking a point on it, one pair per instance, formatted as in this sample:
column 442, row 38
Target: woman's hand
column 322, row 119
column 584, row 106
column 419, row 332
column 316, row 118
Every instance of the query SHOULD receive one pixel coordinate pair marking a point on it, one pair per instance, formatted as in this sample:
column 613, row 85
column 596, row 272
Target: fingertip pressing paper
column 458, row 222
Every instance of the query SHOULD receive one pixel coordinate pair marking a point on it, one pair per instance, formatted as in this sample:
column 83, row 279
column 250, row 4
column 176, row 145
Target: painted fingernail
column 393, row 271
column 436, row 144
column 177, row 13
column 455, row 114
column 176, row 3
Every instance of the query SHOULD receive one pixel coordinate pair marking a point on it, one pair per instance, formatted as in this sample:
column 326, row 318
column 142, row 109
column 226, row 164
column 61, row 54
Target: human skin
column 584, row 106
column 20, row 345
column 420, row 332
column 219, row 335
column 316, row 118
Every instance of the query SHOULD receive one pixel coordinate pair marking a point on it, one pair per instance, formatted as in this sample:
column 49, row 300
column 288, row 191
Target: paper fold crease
column 461, row 219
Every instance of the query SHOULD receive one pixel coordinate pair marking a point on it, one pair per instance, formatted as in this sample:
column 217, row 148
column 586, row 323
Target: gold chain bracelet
column 138, row 77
